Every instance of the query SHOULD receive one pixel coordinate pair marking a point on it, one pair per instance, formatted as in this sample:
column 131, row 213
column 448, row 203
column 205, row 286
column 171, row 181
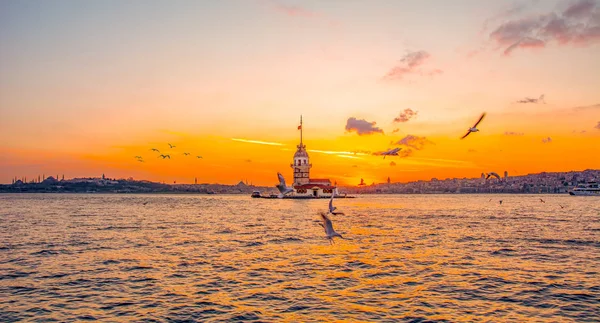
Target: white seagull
column 328, row 226
column 391, row 152
column 283, row 189
column 474, row 128
column 333, row 208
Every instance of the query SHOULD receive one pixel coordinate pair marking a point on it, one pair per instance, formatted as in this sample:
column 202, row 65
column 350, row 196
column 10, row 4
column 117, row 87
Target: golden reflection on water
column 216, row 258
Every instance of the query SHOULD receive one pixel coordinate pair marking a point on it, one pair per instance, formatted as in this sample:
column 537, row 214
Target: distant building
column 505, row 174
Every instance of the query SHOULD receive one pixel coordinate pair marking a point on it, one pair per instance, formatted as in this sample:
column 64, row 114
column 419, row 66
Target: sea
column 231, row 258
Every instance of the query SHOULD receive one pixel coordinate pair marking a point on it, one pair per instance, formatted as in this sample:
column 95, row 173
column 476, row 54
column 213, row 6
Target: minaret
column 301, row 165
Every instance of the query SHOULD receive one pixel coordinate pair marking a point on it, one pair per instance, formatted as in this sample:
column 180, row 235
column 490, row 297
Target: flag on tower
column 299, row 127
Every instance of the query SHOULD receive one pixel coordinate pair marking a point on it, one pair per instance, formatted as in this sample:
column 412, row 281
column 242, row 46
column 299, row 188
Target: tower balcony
column 294, row 165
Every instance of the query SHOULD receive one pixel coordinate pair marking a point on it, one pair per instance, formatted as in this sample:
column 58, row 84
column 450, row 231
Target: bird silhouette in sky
column 165, row 156
column 171, row 146
column 474, row 127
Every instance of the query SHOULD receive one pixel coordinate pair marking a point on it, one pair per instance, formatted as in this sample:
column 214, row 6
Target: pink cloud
column 414, row 142
column 291, row 10
column 362, row 127
column 410, row 64
column 578, row 24
column 406, row 115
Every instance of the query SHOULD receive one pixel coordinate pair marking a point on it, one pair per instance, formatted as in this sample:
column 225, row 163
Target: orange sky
column 85, row 88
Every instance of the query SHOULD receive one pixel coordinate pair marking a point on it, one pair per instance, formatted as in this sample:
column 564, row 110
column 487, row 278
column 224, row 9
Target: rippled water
column 232, row 258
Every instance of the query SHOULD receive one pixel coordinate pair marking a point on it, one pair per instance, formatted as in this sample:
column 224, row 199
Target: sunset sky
column 87, row 85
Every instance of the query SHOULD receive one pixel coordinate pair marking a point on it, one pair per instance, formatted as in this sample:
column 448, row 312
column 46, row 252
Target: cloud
column 587, row 107
column 405, row 153
column 392, row 164
column 291, row 10
column 337, row 152
column 578, row 24
column 598, row 126
column 406, row 115
column 354, row 166
column 258, row 142
column 532, row 100
column 409, row 64
column 362, row 127
column 512, row 133
column 395, row 130
column 547, row 140
column 579, row 9
column 415, row 142
column 471, row 151
column 248, row 160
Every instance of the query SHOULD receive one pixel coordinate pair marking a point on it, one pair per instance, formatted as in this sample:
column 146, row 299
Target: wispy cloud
column 392, row 163
column 290, row 10
column 258, row 142
column 512, row 133
column 405, row 153
column 406, row 115
column 414, row 142
column 395, row 130
column 336, row 152
column 578, row 24
column 410, row 64
column 547, row 140
column 362, row 127
column 587, row 107
column 532, row 100
column 598, row 126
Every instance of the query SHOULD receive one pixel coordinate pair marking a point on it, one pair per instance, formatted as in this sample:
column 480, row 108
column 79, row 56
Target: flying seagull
column 141, row 160
column 186, row 154
column 138, row 157
column 333, row 208
column 154, row 149
column 542, row 200
column 198, row 156
column 165, row 156
column 283, row 189
column 391, row 152
column 328, row 226
column 474, row 128
column 492, row 174
column 171, row 146
column 500, row 202
column 562, row 207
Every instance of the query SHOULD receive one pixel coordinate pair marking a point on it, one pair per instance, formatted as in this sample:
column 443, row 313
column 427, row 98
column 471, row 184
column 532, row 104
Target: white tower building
column 301, row 163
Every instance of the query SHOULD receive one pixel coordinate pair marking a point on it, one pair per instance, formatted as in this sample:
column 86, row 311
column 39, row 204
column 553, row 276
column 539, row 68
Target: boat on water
column 587, row 189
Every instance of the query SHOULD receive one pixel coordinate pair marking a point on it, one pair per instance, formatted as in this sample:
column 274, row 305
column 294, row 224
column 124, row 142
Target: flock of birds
column 163, row 155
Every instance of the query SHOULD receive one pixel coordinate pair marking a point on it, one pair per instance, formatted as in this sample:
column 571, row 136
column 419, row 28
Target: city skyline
column 87, row 86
